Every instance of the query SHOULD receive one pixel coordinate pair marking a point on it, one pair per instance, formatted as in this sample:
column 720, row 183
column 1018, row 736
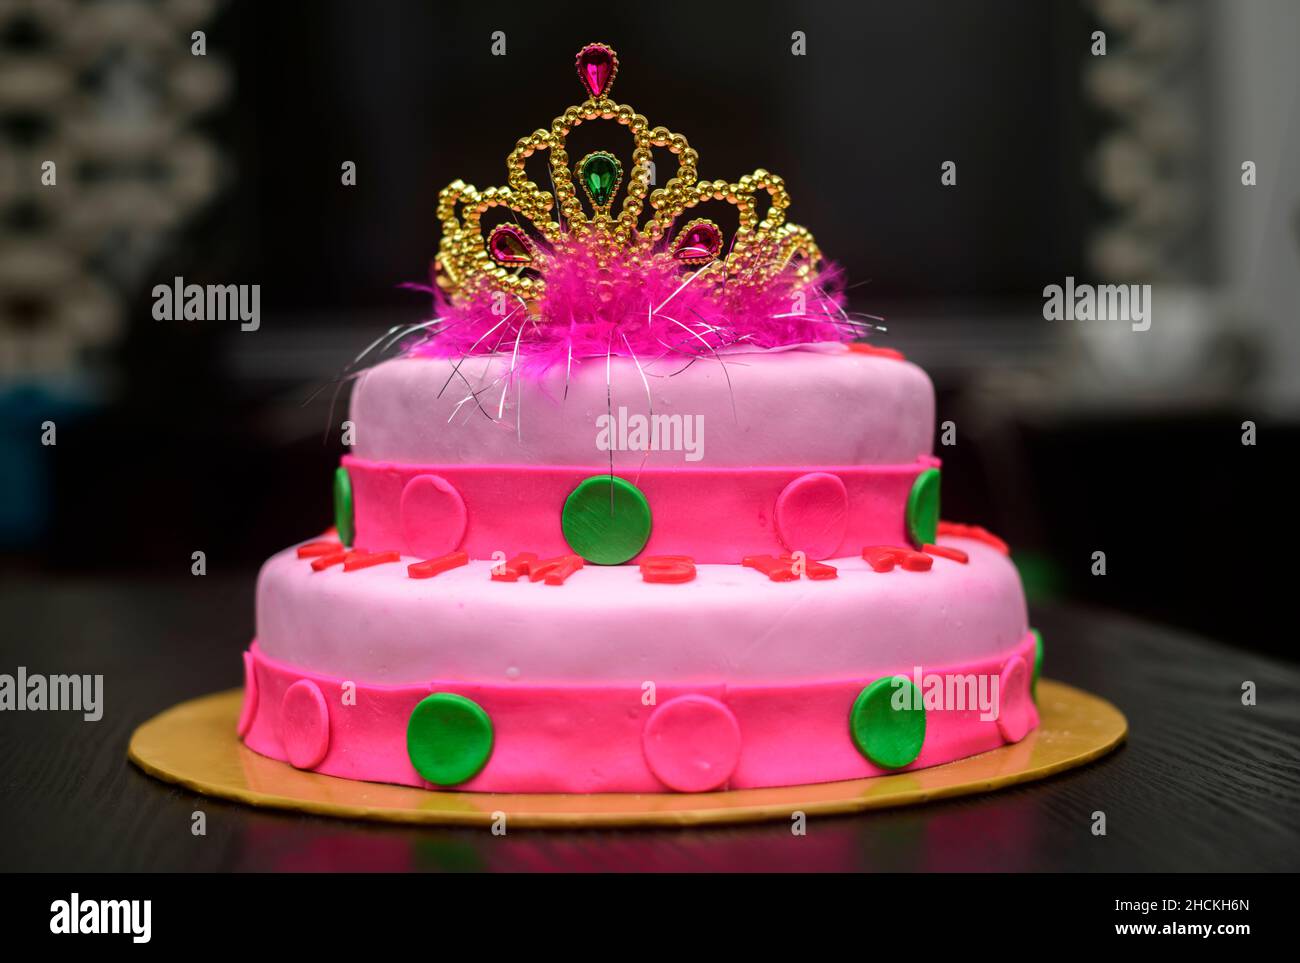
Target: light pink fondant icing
column 812, row 514
column 593, row 738
column 711, row 514
column 304, row 724
column 607, row 625
column 432, row 515
column 810, row 406
column 692, row 743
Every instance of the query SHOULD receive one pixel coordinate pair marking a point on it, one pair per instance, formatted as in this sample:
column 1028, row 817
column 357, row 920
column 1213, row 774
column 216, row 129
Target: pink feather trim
column 656, row 308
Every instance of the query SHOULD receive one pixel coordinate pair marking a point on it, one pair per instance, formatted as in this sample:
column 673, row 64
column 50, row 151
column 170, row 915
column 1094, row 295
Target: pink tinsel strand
column 588, row 311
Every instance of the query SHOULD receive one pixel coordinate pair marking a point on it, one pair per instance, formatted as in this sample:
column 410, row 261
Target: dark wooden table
column 1204, row 782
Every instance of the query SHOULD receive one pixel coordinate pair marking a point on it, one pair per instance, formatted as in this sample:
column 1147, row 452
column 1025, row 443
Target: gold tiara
column 513, row 260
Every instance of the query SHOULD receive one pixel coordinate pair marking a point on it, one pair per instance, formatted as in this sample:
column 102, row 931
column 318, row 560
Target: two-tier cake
column 637, row 511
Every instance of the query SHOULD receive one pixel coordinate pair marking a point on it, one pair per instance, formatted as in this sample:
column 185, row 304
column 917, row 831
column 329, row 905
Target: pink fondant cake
column 638, row 511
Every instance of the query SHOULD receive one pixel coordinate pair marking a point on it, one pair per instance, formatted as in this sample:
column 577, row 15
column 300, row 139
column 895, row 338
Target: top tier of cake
column 825, row 406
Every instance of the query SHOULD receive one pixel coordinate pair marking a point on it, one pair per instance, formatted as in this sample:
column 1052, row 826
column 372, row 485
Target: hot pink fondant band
column 710, row 514
column 611, row 738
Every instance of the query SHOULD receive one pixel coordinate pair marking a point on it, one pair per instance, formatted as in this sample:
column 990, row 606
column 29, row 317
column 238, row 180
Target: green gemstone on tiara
column 600, row 174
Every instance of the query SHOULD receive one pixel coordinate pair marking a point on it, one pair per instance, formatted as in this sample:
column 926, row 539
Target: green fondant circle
column 923, row 508
column 603, row 529
column 888, row 736
column 1038, row 660
column 343, row 517
column 448, row 738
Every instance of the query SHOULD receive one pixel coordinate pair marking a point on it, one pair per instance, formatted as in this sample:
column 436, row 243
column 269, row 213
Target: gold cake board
column 194, row 745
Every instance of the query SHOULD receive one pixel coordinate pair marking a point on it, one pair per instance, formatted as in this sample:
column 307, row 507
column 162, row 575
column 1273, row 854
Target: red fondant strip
column 591, row 738
column 436, row 566
column 317, row 549
column 976, row 532
column 777, row 569
column 783, row 569
column 670, row 569
column 945, row 551
column 883, row 558
column 819, row 570
column 714, row 515
column 554, row 570
column 325, row 561
column 517, row 566
column 862, row 347
column 356, row 560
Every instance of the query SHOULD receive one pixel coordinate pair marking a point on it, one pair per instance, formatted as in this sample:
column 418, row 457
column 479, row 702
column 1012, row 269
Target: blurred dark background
column 1071, row 437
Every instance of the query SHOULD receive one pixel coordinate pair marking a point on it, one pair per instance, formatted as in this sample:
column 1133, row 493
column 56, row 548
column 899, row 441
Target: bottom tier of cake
column 608, row 683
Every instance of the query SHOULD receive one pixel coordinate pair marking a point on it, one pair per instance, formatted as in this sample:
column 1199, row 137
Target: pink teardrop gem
column 699, row 242
column 597, row 65
column 509, row 245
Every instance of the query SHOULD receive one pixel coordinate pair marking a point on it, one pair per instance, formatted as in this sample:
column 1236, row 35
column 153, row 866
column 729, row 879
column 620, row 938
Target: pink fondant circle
column 812, row 513
column 249, row 710
column 305, row 724
column 692, row 743
column 1015, row 713
column 433, row 516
